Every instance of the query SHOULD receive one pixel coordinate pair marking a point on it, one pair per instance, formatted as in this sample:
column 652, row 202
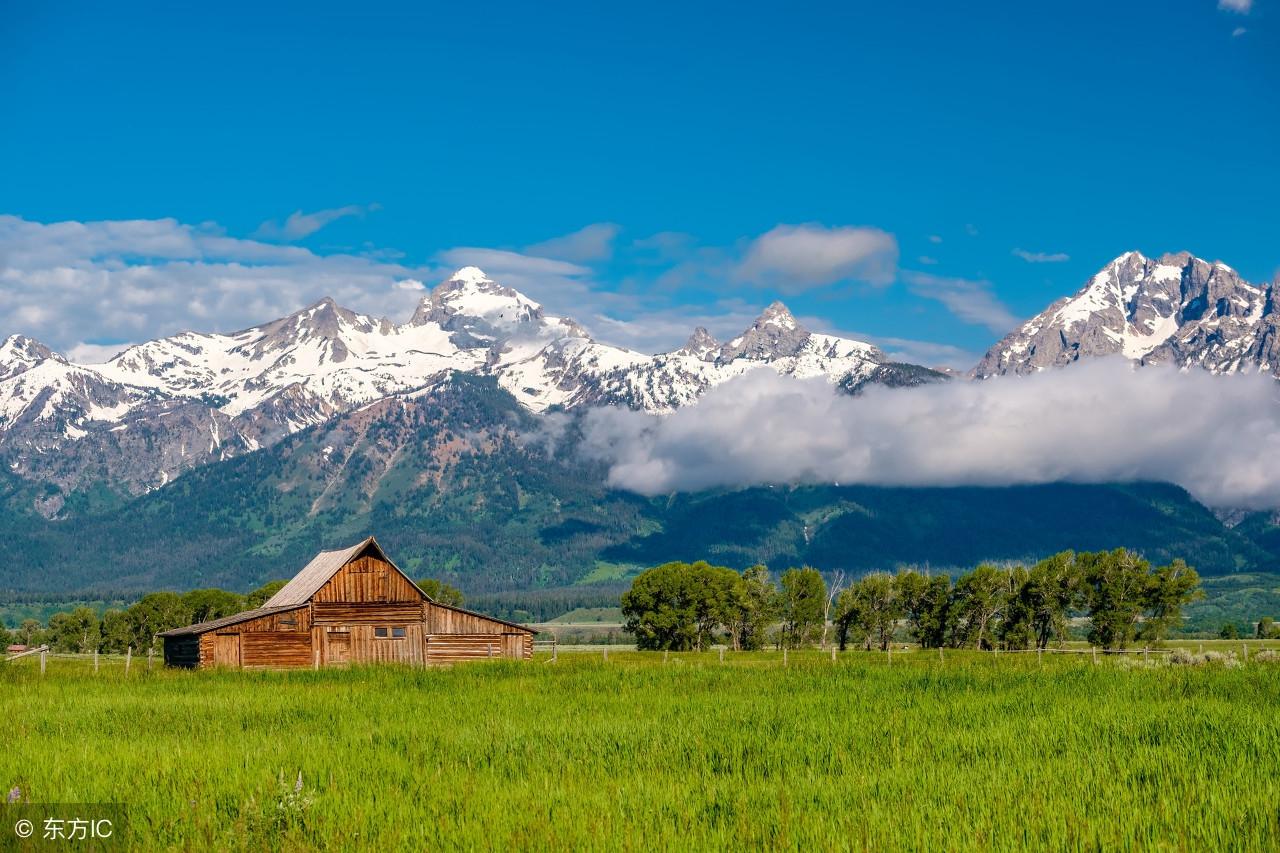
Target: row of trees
column 682, row 606
column 1019, row 607
column 83, row 630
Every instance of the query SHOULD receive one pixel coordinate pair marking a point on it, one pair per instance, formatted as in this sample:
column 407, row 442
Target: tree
column 980, row 597
column 441, row 592
column 1116, row 588
column 1043, row 598
column 804, row 594
column 924, row 600
column 77, row 631
column 1229, row 631
column 869, row 610
column 156, row 612
column 1267, row 629
column 206, row 604
column 757, row 608
column 1168, row 589
column 833, row 591
column 117, row 631
column 678, row 606
column 5, row 637
column 30, row 633
column 259, row 596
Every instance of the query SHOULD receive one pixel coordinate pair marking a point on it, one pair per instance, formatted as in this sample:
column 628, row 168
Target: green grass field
column 974, row 752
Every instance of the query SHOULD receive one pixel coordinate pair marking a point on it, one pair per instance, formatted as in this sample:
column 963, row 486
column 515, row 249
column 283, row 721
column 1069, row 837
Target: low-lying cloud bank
column 1096, row 422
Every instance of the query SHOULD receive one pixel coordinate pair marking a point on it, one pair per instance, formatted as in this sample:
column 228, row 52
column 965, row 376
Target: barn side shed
column 349, row 606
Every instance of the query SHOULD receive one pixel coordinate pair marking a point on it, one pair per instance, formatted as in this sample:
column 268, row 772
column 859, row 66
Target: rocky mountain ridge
column 1175, row 309
column 165, row 406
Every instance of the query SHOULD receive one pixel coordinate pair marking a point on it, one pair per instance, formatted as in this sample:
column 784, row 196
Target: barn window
column 397, row 632
column 389, row 633
column 380, row 632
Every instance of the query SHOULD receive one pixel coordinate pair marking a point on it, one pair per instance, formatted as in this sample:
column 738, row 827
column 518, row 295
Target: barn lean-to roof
column 223, row 622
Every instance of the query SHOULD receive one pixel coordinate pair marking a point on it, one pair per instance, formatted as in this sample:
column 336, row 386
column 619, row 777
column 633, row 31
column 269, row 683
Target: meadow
column 973, row 751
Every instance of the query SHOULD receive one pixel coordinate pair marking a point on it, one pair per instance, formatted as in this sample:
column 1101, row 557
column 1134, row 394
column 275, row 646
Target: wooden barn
column 344, row 607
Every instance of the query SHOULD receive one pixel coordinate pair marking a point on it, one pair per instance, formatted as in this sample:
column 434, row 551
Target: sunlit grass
column 971, row 752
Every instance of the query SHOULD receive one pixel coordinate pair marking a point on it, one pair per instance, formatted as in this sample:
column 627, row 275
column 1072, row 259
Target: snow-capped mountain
column 162, row 407
column 1177, row 309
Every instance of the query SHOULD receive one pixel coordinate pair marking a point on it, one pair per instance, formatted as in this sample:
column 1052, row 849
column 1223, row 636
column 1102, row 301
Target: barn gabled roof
column 322, row 567
column 215, row 624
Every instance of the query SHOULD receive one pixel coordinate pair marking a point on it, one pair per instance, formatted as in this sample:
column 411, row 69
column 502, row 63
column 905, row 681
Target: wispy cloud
column 795, row 258
column 1238, row 31
column 1042, row 257
column 974, row 302
column 592, row 243
column 1158, row 424
column 1240, row 7
column 299, row 225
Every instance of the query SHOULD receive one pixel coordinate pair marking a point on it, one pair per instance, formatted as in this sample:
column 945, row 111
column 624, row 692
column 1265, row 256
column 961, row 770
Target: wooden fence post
column 888, row 652
column 722, row 654
column 150, row 651
column 1094, row 649
column 95, row 660
column 128, row 659
column 940, row 658
column 555, row 651
column 606, row 654
column 664, row 655
column 784, row 655
column 833, row 654
column 43, row 652
column 1246, row 652
column 1039, row 659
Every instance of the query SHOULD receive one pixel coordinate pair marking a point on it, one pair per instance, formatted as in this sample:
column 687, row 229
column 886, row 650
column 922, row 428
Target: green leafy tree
column 1015, row 629
column 156, row 612
column 441, row 592
column 757, row 609
column 1267, row 629
column 30, row 633
column 206, row 604
column 1169, row 588
column 979, row 598
column 6, row 637
column 259, row 596
column 869, row 610
column 1116, row 586
column 803, row 599
column 117, row 631
column 679, row 606
column 1229, row 631
column 77, row 631
column 924, row 600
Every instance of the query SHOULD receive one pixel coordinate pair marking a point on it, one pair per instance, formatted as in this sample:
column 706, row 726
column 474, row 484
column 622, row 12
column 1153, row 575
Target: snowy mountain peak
column 775, row 334
column 1178, row 308
column 470, row 275
column 19, row 353
column 702, row 345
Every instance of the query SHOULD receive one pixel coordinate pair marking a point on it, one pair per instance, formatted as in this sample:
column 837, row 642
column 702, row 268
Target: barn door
column 226, row 649
column 338, row 651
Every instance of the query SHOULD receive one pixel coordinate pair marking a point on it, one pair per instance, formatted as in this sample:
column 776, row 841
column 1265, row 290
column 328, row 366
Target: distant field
column 972, row 752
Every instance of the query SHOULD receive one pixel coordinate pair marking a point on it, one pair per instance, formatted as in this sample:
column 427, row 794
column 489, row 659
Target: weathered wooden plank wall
column 367, row 579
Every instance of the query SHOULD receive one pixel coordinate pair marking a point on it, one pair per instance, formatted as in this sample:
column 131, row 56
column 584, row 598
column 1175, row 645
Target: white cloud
column 934, row 238
column 1240, row 7
column 68, row 283
column 1042, row 257
column 300, row 224
column 927, row 261
column 1238, row 31
column 971, row 301
column 592, row 243
column 795, row 258
column 1095, row 422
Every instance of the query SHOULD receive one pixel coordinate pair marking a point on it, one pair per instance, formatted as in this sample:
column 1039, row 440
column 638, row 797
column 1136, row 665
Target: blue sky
column 712, row 152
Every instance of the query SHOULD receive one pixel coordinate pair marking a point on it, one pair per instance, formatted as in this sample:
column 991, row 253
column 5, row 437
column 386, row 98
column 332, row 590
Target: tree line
column 82, row 630
column 683, row 606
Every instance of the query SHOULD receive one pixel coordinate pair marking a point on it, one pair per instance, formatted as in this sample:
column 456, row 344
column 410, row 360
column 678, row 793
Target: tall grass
column 634, row 754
